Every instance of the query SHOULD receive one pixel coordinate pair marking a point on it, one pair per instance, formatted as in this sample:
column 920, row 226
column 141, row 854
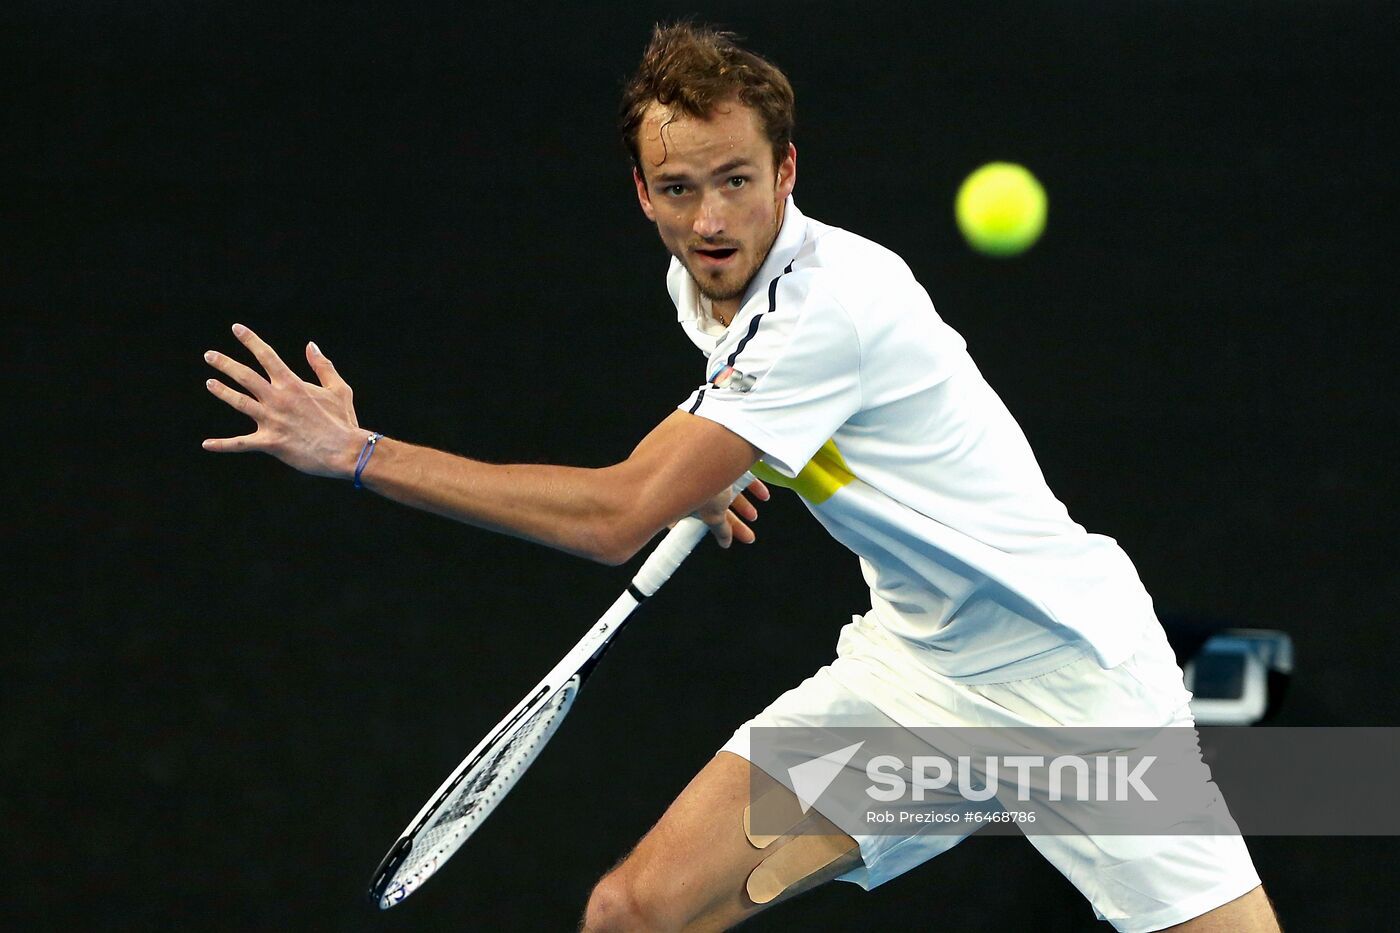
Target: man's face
column 711, row 188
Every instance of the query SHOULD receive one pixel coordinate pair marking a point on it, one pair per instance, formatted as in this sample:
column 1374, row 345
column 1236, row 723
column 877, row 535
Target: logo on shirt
column 727, row 377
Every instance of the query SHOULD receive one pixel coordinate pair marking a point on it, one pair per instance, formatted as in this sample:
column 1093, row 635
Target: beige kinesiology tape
column 809, row 844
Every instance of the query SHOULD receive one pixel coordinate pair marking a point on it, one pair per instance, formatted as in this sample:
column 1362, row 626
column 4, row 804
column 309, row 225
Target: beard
column 732, row 283
column 724, row 287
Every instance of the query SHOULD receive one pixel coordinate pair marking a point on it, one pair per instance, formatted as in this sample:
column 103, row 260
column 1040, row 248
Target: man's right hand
column 727, row 520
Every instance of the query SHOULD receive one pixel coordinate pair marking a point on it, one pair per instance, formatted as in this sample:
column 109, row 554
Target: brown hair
column 691, row 68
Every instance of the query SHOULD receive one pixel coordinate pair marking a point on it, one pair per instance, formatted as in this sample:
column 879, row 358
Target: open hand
column 309, row 427
column 727, row 520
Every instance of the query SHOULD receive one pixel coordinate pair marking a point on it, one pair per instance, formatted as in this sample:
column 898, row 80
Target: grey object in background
column 1238, row 676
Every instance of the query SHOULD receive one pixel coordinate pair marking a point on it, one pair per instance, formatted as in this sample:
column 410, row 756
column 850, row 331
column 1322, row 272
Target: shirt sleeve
column 790, row 379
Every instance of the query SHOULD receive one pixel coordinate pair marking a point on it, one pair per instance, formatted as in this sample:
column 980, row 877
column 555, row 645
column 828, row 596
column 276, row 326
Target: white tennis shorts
column 1137, row 883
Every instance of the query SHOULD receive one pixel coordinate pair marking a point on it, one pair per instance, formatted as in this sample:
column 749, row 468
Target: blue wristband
column 366, row 452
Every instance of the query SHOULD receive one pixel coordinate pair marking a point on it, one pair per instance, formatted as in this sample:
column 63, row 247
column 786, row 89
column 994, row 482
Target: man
column 828, row 371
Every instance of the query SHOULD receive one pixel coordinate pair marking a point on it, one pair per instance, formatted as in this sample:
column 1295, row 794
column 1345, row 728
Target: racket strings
column 499, row 767
column 480, row 788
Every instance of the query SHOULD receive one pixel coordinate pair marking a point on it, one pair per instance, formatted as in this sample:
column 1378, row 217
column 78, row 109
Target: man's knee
column 618, row 904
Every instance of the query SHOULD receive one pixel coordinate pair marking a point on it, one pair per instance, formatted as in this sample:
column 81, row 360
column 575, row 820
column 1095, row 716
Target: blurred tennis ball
column 1001, row 209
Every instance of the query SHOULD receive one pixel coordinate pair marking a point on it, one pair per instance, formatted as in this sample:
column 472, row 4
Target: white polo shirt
column 867, row 404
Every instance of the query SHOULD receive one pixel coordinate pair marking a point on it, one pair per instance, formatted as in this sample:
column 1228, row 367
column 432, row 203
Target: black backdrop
column 227, row 686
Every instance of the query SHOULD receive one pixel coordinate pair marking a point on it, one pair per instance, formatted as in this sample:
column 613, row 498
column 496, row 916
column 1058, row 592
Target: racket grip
column 677, row 545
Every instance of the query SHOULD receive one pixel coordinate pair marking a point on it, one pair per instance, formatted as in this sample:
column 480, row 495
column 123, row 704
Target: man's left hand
column 309, row 427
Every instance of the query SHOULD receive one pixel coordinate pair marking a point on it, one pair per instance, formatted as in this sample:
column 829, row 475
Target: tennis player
column 827, row 371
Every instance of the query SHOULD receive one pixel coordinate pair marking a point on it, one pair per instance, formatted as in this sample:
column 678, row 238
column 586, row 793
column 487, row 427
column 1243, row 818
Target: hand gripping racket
column 486, row 775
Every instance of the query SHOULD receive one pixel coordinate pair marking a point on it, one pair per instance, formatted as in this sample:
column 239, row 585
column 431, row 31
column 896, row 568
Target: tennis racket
column 485, row 776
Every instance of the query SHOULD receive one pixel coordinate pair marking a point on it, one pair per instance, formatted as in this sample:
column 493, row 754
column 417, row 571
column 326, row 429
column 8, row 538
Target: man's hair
column 691, row 68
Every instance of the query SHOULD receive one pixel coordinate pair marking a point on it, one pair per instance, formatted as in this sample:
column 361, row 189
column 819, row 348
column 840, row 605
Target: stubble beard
column 721, row 292
column 730, row 292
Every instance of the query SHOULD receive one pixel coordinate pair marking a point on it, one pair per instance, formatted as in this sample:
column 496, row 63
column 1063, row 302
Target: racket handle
column 677, row 545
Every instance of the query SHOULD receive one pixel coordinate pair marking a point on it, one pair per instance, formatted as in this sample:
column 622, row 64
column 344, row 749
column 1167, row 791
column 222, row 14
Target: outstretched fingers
column 235, row 400
column 271, row 363
column 232, row 445
column 324, row 369
column 245, row 376
column 241, row 403
column 307, row 426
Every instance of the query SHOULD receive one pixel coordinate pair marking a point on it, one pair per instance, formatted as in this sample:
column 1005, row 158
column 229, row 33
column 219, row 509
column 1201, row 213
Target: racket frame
column 578, row 662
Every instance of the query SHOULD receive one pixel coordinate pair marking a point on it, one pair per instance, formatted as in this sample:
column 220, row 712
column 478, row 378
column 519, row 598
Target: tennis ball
column 1001, row 209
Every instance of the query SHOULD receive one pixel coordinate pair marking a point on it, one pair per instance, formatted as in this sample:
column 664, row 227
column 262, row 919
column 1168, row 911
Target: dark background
column 227, row 686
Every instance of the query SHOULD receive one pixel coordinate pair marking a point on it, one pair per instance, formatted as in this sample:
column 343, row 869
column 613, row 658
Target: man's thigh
column 691, row 870
column 1251, row 913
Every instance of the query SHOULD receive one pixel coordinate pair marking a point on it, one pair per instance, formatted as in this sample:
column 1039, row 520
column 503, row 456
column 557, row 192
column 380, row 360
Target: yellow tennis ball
column 1001, row 209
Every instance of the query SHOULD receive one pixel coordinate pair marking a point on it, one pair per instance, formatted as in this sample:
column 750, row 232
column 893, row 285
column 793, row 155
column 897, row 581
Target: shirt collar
column 692, row 308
